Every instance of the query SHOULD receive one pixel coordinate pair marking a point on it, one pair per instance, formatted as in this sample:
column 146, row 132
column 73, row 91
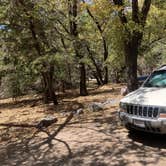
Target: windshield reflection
column 157, row 79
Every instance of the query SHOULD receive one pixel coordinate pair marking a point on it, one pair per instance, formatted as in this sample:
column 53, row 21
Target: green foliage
column 152, row 51
column 37, row 35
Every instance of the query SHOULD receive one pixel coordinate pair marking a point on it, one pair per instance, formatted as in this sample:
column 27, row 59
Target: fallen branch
column 44, row 123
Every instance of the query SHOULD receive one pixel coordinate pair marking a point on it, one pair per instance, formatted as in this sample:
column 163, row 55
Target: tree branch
column 145, row 10
column 63, row 26
column 135, row 11
column 121, row 14
column 94, row 19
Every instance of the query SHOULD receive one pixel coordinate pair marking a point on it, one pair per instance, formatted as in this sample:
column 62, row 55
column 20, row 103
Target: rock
column 110, row 102
column 51, row 104
column 124, row 91
column 96, row 107
column 46, row 122
column 79, row 111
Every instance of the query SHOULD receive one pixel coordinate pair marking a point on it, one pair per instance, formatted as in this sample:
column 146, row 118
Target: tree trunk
column 97, row 79
column 105, row 59
column 69, row 74
column 131, row 63
column 105, row 75
column 83, row 90
column 73, row 13
column 104, row 43
column 0, row 81
column 131, row 56
column 98, row 74
column 49, row 94
column 133, row 41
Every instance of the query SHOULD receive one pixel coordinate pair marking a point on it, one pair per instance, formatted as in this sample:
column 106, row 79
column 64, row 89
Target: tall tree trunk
column 67, row 63
column 105, row 75
column 97, row 79
column 131, row 63
column 105, row 59
column 104, row 43
column 0, row 80
column 83, row 90
column 82, row 72
column 73, row 13
column 131, row 56
column 49, row 93
column 98, row 74
column 133, row 41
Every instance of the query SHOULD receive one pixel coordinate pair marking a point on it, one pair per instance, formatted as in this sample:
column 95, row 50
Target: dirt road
column 91, row 139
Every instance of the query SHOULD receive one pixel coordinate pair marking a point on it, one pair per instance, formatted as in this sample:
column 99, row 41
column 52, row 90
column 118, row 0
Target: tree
column 64, row 42
column 77, row 44
column 27, row 29
column 153, row 44
column 101, row 25
column 132, row 40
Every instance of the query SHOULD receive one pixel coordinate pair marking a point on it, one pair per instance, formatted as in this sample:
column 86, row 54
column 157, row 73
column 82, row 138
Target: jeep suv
column 145, row 108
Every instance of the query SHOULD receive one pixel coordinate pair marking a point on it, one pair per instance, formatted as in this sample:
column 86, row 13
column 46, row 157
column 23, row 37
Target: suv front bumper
column 144, row 124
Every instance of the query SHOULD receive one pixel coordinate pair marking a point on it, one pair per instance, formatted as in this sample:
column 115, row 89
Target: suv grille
column 143, row 111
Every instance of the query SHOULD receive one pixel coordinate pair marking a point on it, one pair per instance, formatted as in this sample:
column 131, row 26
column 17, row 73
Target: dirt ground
column 89, row 139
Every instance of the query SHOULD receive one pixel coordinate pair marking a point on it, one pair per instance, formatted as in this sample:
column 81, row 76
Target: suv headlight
column 162, row 112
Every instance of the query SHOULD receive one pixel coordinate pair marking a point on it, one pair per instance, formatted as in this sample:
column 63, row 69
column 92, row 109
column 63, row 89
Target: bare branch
column 63, row 26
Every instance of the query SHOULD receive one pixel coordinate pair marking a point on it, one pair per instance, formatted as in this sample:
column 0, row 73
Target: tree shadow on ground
column 149, row 139
column 105, row 91
column 32, row 150
column 20, row 103
column 95, row 145
column 128, row 147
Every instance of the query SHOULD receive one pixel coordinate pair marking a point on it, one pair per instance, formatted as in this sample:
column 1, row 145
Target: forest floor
column 89, row 139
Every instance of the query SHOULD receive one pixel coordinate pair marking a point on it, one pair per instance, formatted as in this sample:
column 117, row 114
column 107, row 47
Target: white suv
column 145, row 108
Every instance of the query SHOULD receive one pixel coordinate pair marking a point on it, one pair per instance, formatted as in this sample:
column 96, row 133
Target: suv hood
column 147, row 96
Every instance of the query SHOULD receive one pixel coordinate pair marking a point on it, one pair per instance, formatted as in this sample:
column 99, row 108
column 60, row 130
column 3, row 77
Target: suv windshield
column 157, row 79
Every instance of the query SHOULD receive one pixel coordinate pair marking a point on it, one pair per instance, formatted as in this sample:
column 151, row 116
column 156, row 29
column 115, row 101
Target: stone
column 51, row 104
column 124, row 91
column 110, row 102
column 46, row 122
column 79, row 111
column 95, row 107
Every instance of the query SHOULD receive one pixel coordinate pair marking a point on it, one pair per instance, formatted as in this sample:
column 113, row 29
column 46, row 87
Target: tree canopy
column 49, row 45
